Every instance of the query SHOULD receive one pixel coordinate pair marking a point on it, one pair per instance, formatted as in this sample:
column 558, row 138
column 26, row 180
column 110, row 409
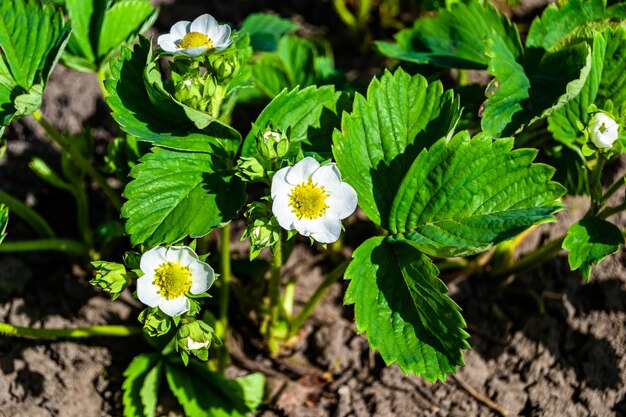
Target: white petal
column 342, row 201
column 302, row 171
column 280, row 186
column 176, row 306
column 327, row 230
column 327, row 176
column 181, row 254
column 222, row 38
column 283, row 212
column 204, row 24
column 305, row 226
column 202, row 277
column 152, row 259
column 193, row 345
column 193, row 52
column 147, row 292
column 167, row 42
column 180, row 29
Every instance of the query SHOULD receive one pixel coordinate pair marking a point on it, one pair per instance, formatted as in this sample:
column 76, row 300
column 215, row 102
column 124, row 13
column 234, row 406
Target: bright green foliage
column 203, row 393
column 527, row 91
column 4, row 221
column 401, row 304
column 557, row 22
column 32, row 38
column 143, row 108
column 462, row 196
column 378, row 141
column 590, row 241
column 606, row 81
column 454, row 38
column 309, row 115
column 177, row 194
column 141, row 386
column 266, row 30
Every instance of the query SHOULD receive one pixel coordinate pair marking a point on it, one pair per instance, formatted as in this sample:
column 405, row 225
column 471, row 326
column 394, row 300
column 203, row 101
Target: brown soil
column 544, row 345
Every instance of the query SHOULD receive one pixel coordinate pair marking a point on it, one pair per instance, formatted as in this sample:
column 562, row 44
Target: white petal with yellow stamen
column 195, row 38
column 603, row 130
column 312, row 199
column 170, row 276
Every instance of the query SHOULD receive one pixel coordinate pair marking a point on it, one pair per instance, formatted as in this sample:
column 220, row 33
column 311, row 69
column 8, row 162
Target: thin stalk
column 609, row 211
column 317, row 296
column 79, row 159
column 69, row 246
column 275, row 296
column 533, row 259
column 102, row 76
column 224, row 296
column 595, row 186
column 82, row 214
column 81, row 332
column 613, row 189
column 30, row 216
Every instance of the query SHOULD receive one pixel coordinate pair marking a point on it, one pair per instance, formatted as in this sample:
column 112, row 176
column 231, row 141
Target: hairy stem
column 69, row 246
column 317, row 296
column 274, row 294
column 224, row 295
column 81, row 332
column 79, row 159
column 30, row 216
column 533, row 259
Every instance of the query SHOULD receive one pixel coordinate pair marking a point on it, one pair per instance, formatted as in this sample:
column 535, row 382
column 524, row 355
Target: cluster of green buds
column 263, row 228
column 111, row 277
column 194, row 337
column 273, row 147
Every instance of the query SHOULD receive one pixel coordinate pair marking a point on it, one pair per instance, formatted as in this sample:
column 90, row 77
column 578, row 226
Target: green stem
column 613, row 189
column 79, row 159
column 82, row 214
column 595, row 186
column 224, row 295
column 102, row 76
column 533, row 259
column 27, row 214
column 69, row 246
column 274, row 294
column 609, row 211
column 81, row 332
column 317, row 296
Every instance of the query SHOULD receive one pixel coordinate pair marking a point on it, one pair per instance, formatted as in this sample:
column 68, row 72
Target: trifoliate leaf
column 454, row 38
column 202, row 393
column 461, row 197
column 590, row 241
column 266, row 30
column 385, row 132
column 176, row 194
column 525, row 93
column 4, row 220
column 136, row 375
column 558, row 21
column 310, row 115
column 402, row 305
column 146, row 111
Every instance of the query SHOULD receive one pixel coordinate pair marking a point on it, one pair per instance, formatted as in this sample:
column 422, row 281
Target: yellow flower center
column 173, row 279
column 308, row 200
column 602, row 128
column 195, row 40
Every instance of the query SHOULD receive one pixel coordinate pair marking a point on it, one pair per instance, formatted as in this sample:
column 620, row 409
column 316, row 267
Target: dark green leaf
column 149, row 392
column 4, row 220
column 177, row 194
column 266, row 30
column 402, row 305
column 386, row 131
column 454, row 38
column 462, row 196
column 590, row 241
column 134, row 378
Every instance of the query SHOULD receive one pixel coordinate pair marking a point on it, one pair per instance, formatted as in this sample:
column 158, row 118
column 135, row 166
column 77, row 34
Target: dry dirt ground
column 545, row 344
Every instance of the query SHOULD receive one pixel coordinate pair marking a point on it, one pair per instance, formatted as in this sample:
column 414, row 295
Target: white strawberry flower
column 195, row 38
column 603, row 130
column 312, row 199
column 170, row 276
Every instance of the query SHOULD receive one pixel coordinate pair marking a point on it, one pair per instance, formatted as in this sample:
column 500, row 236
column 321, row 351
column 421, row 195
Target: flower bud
column 273, row 144
column 195, row 337
column 250, row 169
column 603, row 130
column 155, row 323
column 111, row 277
column 263, row 230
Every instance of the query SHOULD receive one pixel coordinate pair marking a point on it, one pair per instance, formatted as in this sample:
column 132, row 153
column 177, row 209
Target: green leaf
column 149, row 392
column 4, row 221
column 402, row 305
column 203, row 393
column 266, row 30
column 151, row 114
column 136, row 376
column 269, row 74
column 123, row 21
column 527, row 93
column 32, row 38
column 454, row 38
column 310, row 115
column 462, row 196
column 299, row 56
column 385, row 132
column 557, row 22
column 86, row 16
column 176, row 194
column 590, row 241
